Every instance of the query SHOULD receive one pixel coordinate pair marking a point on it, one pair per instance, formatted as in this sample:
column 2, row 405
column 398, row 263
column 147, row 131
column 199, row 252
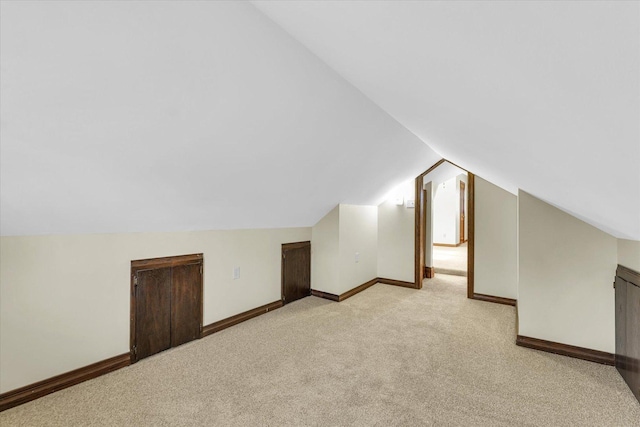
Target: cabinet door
column 633, row 339
column 296, row 271
column 186, row 303
column 153, row 312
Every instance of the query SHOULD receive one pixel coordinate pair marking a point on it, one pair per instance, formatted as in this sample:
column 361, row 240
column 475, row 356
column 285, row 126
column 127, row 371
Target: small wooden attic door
column 166, row 303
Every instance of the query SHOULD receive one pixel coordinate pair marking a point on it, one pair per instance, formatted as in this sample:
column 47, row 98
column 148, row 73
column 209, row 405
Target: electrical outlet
column 236, row 273
column 357, row 256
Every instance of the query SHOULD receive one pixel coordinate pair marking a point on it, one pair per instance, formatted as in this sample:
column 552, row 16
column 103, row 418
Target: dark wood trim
column 628, row 275
column 357, row 289
column 325, row 295
column 42, row 388
column 170, row 261
column 345, row 295
column 429, row 272
column 396, row 283
column 566, row 350
column 419, row 232
column 419, row 238
column 239, row 318
column 295, row 245
column 471, row 230
column 498, row 300
column 448, row 245
column 153, row 263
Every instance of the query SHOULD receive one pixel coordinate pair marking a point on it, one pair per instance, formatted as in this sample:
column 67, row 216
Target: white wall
column 495, row 246
column 566, row 269
column 64, row 300
column 335, row 239
column 445, row 212
column 325, row 253
column 358, row 234
column 396, row 235
column 629, row 253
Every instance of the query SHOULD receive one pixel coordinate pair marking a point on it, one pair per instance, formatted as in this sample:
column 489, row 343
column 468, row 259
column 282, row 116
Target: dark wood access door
column 628, row 327
column 296, row 271
column 166, row 303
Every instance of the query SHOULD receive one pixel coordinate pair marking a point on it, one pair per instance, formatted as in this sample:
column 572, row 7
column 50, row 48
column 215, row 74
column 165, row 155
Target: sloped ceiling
column 542, row 96
column 164, row 116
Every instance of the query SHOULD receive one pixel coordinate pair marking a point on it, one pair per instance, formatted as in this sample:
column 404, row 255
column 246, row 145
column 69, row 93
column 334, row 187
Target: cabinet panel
column 153, row 312
column 186, row 303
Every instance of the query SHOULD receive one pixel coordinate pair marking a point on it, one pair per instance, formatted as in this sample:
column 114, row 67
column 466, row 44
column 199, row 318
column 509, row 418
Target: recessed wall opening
column 444, row 223
column 447, row 207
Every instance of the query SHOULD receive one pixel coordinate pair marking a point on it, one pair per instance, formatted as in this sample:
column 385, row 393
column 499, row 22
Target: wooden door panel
column 296, row 272
column 186, row 303
column 153, row 311
column 633, row 339
column 621, row 326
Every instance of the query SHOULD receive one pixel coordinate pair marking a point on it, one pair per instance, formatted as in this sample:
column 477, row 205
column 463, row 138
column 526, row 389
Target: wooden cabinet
column 296, row 271
column 628, row 327
column 166, row 303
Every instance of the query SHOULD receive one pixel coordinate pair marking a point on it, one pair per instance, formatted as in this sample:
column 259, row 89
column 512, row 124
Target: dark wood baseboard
column 352, row 292
column 396, row 282
column 429, row 272
column 345, row 295
column 42, row 388
column 566, row 350
column 448, row 245
column 325, row 295
column 498, row 300
column 239, row 318
column 357, row 289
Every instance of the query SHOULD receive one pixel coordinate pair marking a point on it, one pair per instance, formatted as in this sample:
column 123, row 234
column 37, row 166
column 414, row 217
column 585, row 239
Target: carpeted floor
column 450, row 260
column 387, row 356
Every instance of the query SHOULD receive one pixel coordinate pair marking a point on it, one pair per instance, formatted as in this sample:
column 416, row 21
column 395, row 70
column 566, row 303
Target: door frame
column 420, row 221
column 286, row 247
column 152, row 264
column 462, row 212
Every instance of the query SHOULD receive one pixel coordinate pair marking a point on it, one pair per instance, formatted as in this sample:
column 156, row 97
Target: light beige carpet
column 387, row 356
column 450, row 260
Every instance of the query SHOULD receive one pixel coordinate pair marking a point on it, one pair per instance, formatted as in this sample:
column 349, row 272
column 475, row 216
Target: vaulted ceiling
column 163, row 116
column 542, row 96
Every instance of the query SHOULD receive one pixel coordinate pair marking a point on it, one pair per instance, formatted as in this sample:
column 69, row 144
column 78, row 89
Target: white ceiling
column 542, row 96
column 165, row 116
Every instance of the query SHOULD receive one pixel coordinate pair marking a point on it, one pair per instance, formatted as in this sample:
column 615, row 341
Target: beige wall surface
column 566, row 269
column 629, row 253
column 396, row 237
column 325, row 252
column 64, row 299
column 358, row 234
column 496, row 240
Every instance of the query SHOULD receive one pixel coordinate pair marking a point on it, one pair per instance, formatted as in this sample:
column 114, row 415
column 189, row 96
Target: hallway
column 450, row 260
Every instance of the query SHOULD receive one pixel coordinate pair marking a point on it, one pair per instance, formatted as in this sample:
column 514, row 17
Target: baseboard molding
column 358, row 289
column 345, row 295
column 448, row 245
column 498, row 300
column 396, row 282
column 566, row 350
column 325, row 295
column 429, row 272
column 239, row 318
column 42, row 388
